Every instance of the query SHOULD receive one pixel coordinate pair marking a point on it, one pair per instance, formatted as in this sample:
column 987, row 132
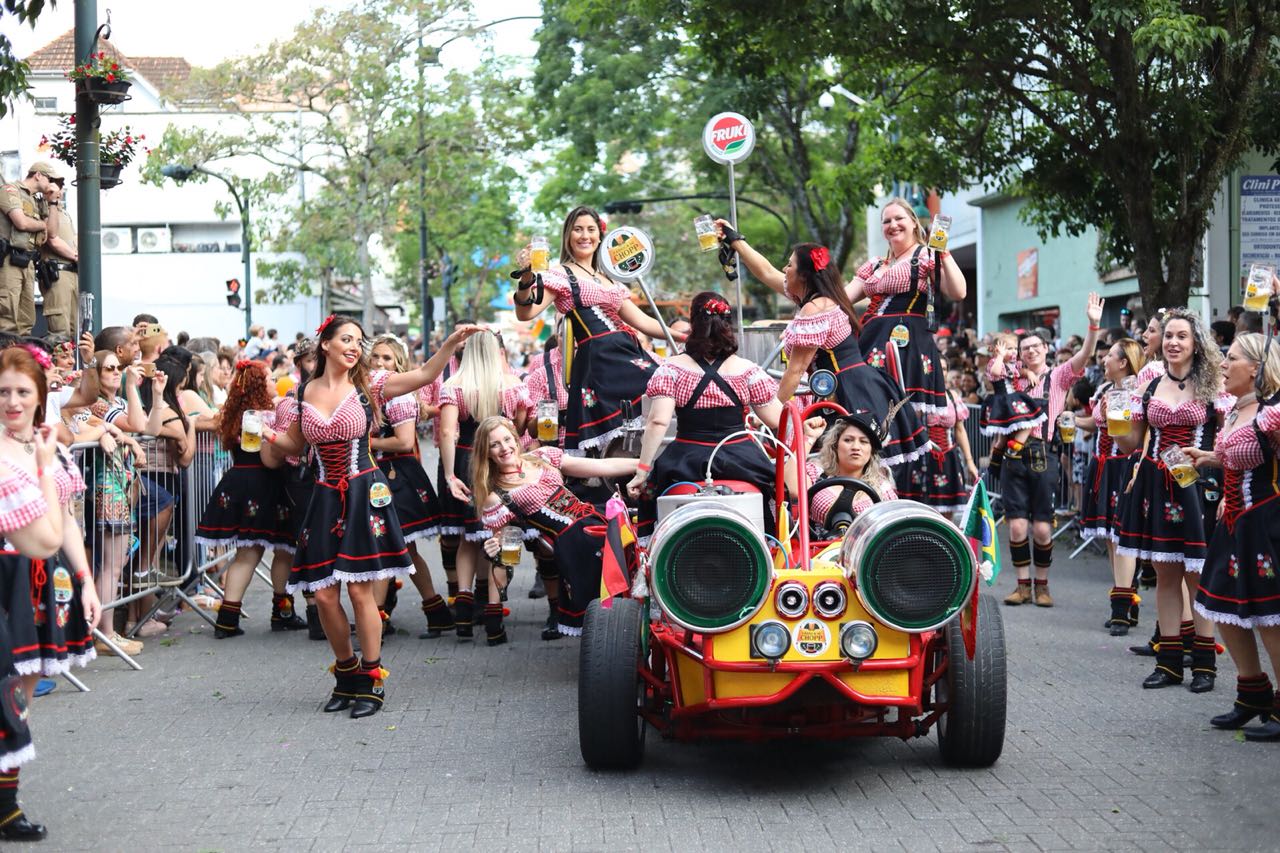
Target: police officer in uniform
column 22, row 233
column 60, row 252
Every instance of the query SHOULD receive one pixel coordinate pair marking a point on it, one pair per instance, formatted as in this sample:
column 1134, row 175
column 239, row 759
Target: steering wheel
column 833, row 526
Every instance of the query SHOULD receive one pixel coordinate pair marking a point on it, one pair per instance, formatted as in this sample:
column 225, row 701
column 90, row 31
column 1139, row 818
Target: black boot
column 283, row 616
column 369, row 689
column 1147, row 574
column 493, row 630
column 16, row 826
column 1204, row 665
column 387, row 628
column 1253, row 699
column 315, row 631
column 463, row 614
column 439, row 618
column 551, row 628
column 344, row 687
column 1148, row 650
column 1168, row 671
column 1121, row 604
column 228, row 623
column 393, row 596
column 1270, row 728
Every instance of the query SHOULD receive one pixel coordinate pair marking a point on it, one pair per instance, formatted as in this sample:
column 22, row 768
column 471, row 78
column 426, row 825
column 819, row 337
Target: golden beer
column 1068, row 433
column 1256, row 299
column 548, row 415
column 510, row 556
column 539, row 254
column 705, row 226
column 250, row 431
column 547, row 429
column 1118, row 426
column 708, row 242
column 512, row 544
column 1184, row 474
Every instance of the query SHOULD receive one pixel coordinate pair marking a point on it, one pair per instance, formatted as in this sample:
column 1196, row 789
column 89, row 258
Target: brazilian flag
column 980, row 528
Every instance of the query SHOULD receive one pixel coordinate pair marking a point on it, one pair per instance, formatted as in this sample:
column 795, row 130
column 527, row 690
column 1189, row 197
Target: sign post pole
column 728, row 139
column 626, row 254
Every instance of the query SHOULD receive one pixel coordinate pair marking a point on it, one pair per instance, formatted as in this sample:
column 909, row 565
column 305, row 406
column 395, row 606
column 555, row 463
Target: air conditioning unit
column 117, row 241
column 157, row 239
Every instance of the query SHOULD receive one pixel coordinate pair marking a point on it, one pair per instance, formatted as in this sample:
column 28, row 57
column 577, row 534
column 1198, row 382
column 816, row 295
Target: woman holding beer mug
column 482, row 387
column 948, row 472
column 417, row 507
column 1239, row 589
column 1163, row 518
column 1108, row 472
column 708, row 388
column 350, row 533
column 607, row 365
column 248, row 509
column 526, row 490
column 824, row 335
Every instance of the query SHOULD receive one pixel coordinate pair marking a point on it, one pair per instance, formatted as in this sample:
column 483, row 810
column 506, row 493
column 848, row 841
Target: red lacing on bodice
column 1174, row 435
column 336, row 465
column 39, row 576
column 941, row 437
column 874, row 305
column 1106, row 444
column 1233, row 496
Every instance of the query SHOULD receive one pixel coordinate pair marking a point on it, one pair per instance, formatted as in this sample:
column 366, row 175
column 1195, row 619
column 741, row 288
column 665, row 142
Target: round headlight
column 771, row 640
column 914, row 569
column 822, row 383
column 710, row 567
column 858, row 640
column 792, row 599
column 829, row 600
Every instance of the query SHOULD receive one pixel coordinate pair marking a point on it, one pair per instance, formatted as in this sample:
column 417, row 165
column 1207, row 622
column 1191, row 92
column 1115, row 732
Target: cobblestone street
column 220, row 745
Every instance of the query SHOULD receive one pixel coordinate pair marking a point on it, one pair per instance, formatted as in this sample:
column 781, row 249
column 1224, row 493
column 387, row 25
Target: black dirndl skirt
column 578, row 551
column 1161, row 521
column 923, row 374
column 685, row 460
column 862, row 388
column 61, row 629
column 1104, row 481
column 17, row 631
column 299, row 483
column 15, row 598
column 249, row 507
column 413, row 496
column 1239, row 583
column 1005, row 414
column 459, row 518
column 938, row 480
column 607, row 370
column 345, row 538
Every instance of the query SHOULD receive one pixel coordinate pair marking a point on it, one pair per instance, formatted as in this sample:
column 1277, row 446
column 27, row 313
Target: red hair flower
column 324, row 325
column 41, row 357
column 716, row 306
column 243, row 363
column 820, row 257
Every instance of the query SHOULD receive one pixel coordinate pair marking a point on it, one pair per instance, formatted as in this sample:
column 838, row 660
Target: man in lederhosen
column 1029, row 478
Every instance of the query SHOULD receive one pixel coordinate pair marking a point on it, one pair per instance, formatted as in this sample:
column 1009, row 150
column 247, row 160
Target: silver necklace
column 28, row 444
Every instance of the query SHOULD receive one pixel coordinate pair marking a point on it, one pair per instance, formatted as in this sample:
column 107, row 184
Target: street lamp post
column 181, row 173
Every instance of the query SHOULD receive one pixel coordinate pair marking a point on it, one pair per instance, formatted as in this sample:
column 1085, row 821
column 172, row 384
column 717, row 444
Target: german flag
column 614, row 574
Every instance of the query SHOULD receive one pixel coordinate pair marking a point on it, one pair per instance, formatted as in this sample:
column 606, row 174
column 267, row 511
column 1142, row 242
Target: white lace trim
column 50, row 667
column 1010, row 430
column 424, row 533
column 27, row 667
column 901, row 458
column 1097, row 533
column 450, row 530
column 244, row 543
column 479, row 535
column 340, row 576
column 568, row 631
column 11, row 760
column 1247, row 622
column 1188, row 565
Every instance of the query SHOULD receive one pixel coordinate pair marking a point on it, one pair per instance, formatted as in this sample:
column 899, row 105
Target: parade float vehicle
column 866, row 626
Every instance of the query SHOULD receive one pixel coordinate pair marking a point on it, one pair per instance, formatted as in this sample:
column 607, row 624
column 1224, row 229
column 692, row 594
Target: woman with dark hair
column 824, row 335
column 1165, row 522
column 249, row 509
column 707, row 388
column 903, row 286
column 350, row 533
column 606, row 365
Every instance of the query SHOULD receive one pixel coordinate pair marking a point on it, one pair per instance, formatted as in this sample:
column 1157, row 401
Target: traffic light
column 623, row 207
column 233, row 292
column 448, row 270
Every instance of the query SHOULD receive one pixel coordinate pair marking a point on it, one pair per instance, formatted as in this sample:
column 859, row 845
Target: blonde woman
column 481, row 388
column 850, row 448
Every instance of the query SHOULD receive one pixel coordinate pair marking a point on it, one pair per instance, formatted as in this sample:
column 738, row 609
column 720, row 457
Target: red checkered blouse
column 822, row 330
column 530, row 497
column 677, row 380
column 21, row 502
column 348, row 421
column 893, row 279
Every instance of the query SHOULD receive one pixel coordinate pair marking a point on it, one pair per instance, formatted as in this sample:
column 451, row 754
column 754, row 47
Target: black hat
column 866, row 422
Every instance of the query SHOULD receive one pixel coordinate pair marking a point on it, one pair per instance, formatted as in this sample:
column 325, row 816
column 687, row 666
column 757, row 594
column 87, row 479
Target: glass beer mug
column 539, row 254
column 1067, row 427
column 251, row 431
column 705, row 226
column 1119, row 413
column 512, row 544
column 1180, row 467
column 548, row 415
column 1257, row 290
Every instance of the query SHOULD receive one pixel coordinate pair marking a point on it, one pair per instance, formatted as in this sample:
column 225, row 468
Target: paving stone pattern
column 220, row 745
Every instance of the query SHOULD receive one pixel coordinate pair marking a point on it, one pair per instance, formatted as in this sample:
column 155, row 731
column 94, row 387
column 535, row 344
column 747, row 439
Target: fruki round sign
column 728, row 138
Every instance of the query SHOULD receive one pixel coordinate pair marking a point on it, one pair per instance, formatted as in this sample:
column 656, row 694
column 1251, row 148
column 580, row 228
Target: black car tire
column 610, row 728
column 971, row 732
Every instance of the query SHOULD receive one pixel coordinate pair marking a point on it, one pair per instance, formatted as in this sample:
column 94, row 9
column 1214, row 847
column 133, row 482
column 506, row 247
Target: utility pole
column 428, row 309
column 88, row 183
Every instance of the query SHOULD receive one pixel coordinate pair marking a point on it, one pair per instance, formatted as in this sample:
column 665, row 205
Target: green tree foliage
column 13, row 71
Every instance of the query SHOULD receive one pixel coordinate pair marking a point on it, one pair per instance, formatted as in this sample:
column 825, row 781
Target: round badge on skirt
column 380, row 495
column 901, row 335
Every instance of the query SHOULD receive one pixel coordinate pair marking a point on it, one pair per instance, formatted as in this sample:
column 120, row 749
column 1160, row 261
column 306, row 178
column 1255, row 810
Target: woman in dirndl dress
column 1160, row 520
column 481, row 388
column 249, row 509
column 904, row 286
column 1108, row 472
column 527, row 490
column 708, row 388
column 350, row 533
column 944, row 480
column 417, row 507
column 824, row 336
column 1239, row 588
column 607, row 368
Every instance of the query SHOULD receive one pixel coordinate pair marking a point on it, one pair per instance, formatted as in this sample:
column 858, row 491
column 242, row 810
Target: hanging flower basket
column 109, row 175
column 102, row 92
